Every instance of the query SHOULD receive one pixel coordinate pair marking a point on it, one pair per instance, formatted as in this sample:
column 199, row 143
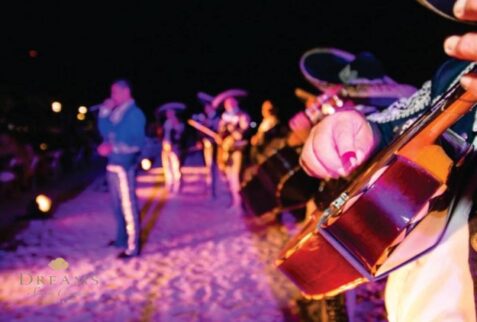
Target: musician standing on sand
column 122, row 126
column 266, row 132
column 173, row 130
column 209, row 118
column 232, row 127
column 439, row 285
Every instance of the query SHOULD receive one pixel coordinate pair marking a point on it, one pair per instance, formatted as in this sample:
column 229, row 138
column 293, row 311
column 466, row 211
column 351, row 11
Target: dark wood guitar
column 369, row 230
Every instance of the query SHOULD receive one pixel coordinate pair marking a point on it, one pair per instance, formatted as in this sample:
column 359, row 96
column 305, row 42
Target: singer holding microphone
column 122, row 126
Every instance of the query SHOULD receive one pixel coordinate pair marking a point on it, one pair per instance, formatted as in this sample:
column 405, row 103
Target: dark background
column 172, row 49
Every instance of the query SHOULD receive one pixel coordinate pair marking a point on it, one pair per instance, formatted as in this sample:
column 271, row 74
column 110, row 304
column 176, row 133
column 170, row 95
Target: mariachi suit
column 267, row 131
column 211, row 121
column 171, row 152
column 232, row 128
column 438, row 286
column 124, row 129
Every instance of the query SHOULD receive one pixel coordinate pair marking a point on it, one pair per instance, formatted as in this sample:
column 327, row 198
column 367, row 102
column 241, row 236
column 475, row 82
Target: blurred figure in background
column 266, row 132
column 122, row 126
column 232, row 128
column 18, row 162
column 173, row 130
column 210, row 118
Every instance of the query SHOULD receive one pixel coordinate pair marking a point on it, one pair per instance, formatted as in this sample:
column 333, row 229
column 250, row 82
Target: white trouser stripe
column 126, row 204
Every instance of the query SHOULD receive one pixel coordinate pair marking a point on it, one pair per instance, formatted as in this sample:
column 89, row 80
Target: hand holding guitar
column 338, row 145
column 465, row 47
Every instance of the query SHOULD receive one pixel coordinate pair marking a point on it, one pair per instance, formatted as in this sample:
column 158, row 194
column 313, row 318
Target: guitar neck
column 452, row 113
column 425, row 131
column 203, row 129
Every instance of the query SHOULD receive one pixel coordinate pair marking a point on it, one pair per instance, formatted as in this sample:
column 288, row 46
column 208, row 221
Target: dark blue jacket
column 126, row 132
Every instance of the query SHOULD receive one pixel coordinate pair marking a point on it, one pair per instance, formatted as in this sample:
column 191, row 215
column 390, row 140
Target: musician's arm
column 343, row 141
column 222, row 127
column 391, row 121
column 103, row 127
column 243, row 126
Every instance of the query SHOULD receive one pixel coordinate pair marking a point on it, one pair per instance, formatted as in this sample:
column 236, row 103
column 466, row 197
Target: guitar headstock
column 331, row 105
column 325, row 104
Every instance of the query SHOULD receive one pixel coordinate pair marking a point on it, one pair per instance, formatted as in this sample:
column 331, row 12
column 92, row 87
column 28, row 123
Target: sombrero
column 205, row 98
column 327, row 67
column 234, row 92
column 178, row 106
column 324, row 67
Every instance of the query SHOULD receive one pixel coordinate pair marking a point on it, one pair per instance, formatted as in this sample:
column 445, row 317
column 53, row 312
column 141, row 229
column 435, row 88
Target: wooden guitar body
column 383, row 220
column 350, row 249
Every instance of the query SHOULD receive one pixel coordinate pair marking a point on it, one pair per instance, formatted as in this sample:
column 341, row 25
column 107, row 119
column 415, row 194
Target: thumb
column 469, row 82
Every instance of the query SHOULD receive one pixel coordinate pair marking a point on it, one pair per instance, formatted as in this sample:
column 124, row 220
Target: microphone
column 95, row 107
column 108, row 104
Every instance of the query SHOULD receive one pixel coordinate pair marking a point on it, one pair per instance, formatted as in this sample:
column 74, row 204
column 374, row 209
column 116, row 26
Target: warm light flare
column 328, row 109
column 56, row 107
column 82, row 109
column 146, row 164
column 44, row 203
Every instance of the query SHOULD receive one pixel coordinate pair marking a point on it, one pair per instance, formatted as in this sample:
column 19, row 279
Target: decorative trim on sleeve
column 405, row 107
column 415, row 104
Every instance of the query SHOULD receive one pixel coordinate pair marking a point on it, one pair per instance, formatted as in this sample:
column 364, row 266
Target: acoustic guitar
column 370, row 229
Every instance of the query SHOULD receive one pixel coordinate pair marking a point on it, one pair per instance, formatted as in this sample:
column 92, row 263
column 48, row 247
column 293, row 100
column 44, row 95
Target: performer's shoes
column 176, row 188
column 112, row 243
column 126, row 255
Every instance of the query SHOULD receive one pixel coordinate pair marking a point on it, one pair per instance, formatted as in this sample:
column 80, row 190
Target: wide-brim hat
column 327, row 67
column 176, row 106
column 204, row 98
column 321, row 66
column 234, row 92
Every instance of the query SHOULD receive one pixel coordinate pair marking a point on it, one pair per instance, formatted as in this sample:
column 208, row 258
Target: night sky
column 170, row 50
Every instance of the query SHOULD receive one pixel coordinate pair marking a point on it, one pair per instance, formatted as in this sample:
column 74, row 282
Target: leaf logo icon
column 59, row 264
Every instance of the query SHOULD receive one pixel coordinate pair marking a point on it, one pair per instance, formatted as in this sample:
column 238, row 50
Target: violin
column 370, row 229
